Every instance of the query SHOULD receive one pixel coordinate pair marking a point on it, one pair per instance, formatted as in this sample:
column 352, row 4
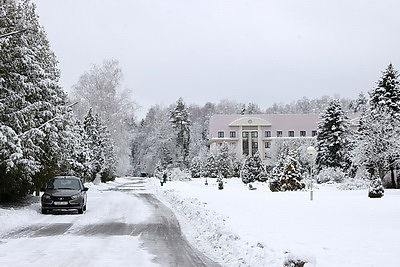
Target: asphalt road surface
column 128, row 210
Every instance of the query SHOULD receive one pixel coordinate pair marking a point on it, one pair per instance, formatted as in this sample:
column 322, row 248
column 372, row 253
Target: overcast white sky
column 256, row 51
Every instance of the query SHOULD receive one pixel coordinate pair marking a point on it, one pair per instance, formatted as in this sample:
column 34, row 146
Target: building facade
column 250, row 133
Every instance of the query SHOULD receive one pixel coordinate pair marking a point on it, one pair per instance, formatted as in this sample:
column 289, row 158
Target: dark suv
column 64, row 192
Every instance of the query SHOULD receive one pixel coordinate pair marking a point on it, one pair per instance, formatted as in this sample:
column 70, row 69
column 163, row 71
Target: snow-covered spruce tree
column 333, row 139
column 33, row 106
column 211, row 167
column 100, row 89
column 375, row 189
column 159, row 171
column 385, row 99
column 224, row 160
column 237, row 164
column 103, row 156
column 377, row 147
column 179, row 117
column 196, row 167
column 287, row 174
column 253, row 169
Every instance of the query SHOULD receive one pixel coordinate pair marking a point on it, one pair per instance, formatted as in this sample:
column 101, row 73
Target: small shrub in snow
column 376, row 188
column 331, row 175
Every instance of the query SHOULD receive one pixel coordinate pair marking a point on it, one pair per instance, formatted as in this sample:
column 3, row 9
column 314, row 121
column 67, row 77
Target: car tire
column 80, row 211
column 44, row 211
column 84, row 208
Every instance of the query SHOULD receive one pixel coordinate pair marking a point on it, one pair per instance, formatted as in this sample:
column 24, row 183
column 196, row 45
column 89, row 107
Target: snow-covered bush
column 331, row 174
column 376, row 188
column 353, row 184
column 287, row 174
column 177, row 174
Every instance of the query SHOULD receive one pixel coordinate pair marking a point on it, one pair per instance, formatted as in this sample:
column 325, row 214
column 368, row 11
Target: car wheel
column 80, row 211
column 44, row 211
column 84, row 208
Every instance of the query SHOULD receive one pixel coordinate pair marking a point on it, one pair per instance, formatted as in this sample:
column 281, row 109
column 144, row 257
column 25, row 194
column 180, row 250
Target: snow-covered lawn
column 237, row 226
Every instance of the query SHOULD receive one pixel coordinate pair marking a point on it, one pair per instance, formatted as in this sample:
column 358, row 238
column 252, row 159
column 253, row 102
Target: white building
column 255, row 132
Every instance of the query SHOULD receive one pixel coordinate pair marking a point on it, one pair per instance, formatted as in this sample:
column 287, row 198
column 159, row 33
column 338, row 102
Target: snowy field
column 239, row 227
column 234, row 226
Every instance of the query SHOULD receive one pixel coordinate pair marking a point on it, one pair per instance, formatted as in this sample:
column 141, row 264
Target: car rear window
column 64, row 184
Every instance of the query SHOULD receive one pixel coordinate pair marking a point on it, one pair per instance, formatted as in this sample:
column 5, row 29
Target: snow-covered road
column 124, row 226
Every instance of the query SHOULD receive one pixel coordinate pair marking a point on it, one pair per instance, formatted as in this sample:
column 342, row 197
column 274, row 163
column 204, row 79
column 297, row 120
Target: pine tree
column 103, row 155
column 253, row 169
column 224, row 160
column 386, row 95
column 196, row 167
column 211, row 167
column 179, row 117
column 377, row 147
column 287, row 174
column 33, row 106
column 333, row 139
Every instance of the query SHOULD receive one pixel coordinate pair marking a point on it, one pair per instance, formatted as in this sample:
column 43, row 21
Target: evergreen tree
column 103, row 156
column 224, row 160
column 33, row 111
column 179, row 117
column 236, row 166
column 287, row 174
column 253, row 169
column 195, row 167
column 377, row 145
column 376, row 188
column 211, row 167
column 333, row 139
column 385, row 97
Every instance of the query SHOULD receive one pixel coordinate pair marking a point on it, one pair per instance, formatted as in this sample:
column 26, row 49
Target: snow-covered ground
column 260, row 228
column 233, row 226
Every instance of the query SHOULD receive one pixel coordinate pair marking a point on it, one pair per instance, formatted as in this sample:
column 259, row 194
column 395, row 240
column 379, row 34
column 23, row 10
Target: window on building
column 303, row 133
column 291, row 133
column 245, row 143
column 232, row 134
column 267, row 133
column 313, row 133
column 221, row 134
column 267, row 144
column 279, row 133
column 254, row 142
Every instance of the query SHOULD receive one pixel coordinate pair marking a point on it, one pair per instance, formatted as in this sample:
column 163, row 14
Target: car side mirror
column 85, row 189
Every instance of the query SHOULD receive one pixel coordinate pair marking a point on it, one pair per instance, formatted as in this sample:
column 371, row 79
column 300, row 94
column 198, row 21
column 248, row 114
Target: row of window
column 232, row 134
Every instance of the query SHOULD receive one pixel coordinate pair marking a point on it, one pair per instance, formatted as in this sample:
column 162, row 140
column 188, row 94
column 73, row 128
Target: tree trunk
column 398, row 180
column 392, row 176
